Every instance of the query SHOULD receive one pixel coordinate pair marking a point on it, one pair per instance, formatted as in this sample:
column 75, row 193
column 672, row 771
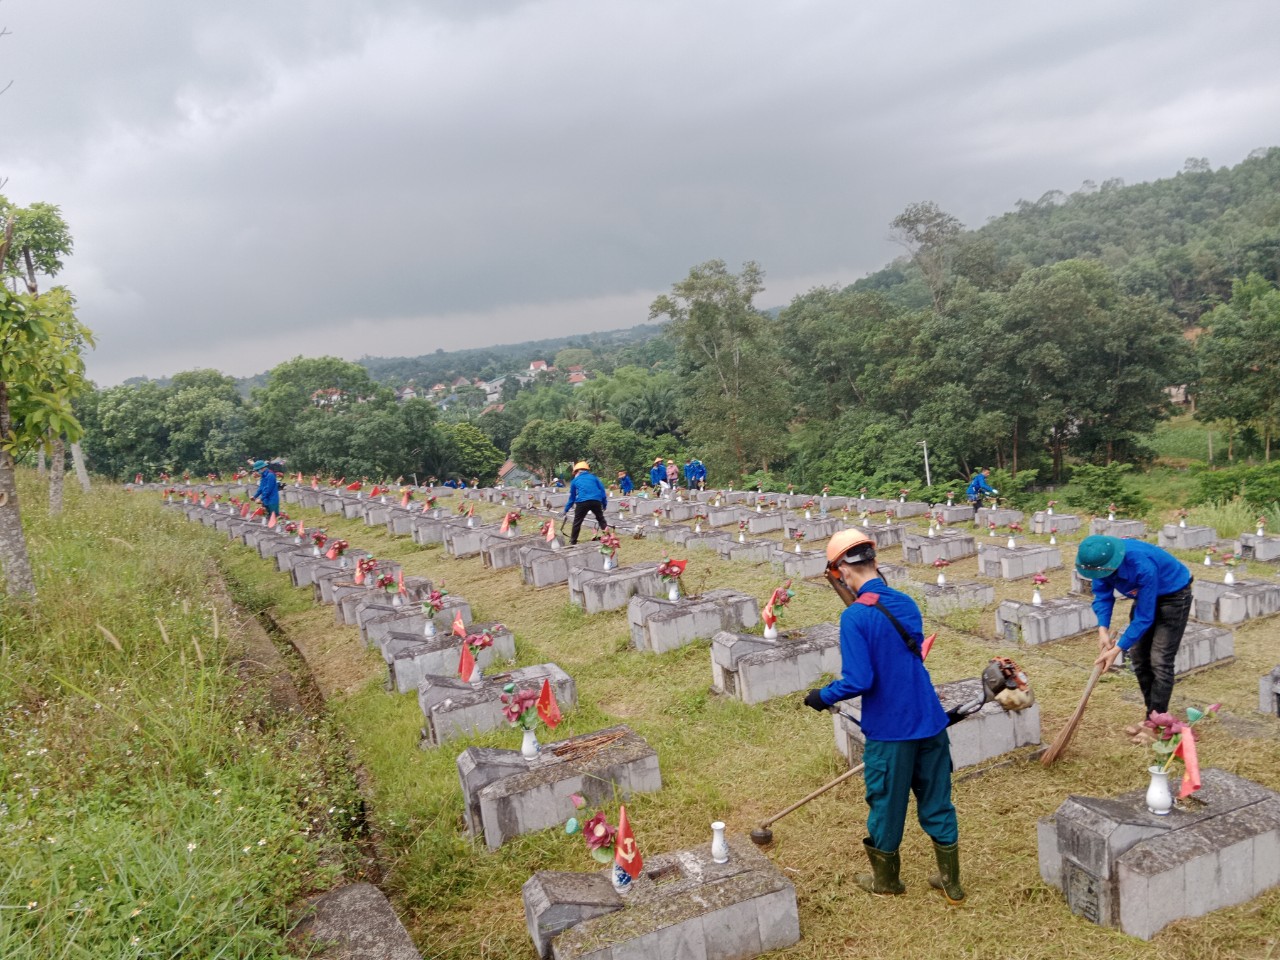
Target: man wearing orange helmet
column 906, row 747
column 586, row 495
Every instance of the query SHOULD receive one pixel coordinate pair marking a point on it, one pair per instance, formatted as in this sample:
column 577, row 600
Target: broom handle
column 817, row 793
column 1060, row 744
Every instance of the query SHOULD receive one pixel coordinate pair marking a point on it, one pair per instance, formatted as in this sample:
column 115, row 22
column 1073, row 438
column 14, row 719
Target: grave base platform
column 1055, row 619
column 683, row 905
column 659, row 625
column 753, row 669
column 455, row 709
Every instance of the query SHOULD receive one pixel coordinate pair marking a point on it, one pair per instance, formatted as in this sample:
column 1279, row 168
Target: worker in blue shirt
column 1160, row 586
column 268, row 492
column 657, row 475
column 979, row 488
column 624, row 483
column 906, row 747
column 699, row 473
column 586, row 495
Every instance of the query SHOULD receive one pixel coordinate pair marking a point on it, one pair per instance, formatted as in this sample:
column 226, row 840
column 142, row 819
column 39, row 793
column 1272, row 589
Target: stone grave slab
column 357, row 608
column 454, row 709
column 683, row 905
column 1133, row 529
column 411, row 657
column 1043, row 522
column 1019, row 621
column 659, row 625
column 804, row 565
column 465, row 541
column 599, row 590
column 814, row 529
column 400, row 522
column 273, row 551
column 330, row 586
column 726, row 516
column 947, row 545
column 543, row 566
column 956, row 595
column 498, row 551
column 765, row 522
column 1174, row 537
column 1232, row 603
column 753, row 669
column 955, row 513
column 1121, row 866
column 375, row 624
column 354, row 509
column 990, row 733
column 1264, row 548
column 712, row 540
column 885, row 534
column 909, row 508
column 1000, row 516
column 1203, row 645
column 429, row 528
column 676, row 533
column 752, row 551
column 504, row 795
column 378, row 512
column 1269, row 693
column 1013, row 563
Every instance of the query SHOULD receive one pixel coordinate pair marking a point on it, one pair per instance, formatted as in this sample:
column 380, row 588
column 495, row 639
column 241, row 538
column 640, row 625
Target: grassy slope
column 722, row 760
column 152, row 802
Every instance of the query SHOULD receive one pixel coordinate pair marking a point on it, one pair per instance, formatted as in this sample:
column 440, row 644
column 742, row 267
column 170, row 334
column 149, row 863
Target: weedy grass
column 723, row 760
column 152, row 802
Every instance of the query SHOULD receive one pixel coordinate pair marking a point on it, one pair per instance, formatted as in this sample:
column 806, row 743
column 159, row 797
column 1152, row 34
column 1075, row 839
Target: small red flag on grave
column 315, row 483
column 355, row 485
column 375, row 491
column 208, row 499
column 549, row 531
column 299, row 478
column 359, row 577
column 302, row 529
column 459, row 628
column 548, row 709
column 400, row 583
column 625, row 852
column 244, row 509
column 404, row 499
column 271, row 523
column 1186, row 749
column 466, row 663
column 331, row 553
column 927, row 645
column 506, row 522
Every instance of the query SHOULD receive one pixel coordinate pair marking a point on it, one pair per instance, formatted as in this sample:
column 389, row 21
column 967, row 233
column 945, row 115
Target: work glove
column 956, row 714
column 814, row 699
column 996, row 492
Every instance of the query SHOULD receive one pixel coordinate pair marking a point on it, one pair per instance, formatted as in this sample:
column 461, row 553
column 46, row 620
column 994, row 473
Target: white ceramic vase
column 1159, row 799
column 673, row 591
column 529, row 746
column 719, row 845
column 1036, row 599
column 771, row 631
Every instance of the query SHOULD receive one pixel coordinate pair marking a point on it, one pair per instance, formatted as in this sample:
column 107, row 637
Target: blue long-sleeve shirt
column 625, row 485
column 978, row 487
column 268, row 492
column 898, row 699
column 657, row 474
column 1146, row 573
column 586, row 486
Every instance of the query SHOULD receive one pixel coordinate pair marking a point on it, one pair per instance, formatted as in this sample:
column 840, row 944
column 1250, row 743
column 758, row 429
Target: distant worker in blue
column 657, row 475
column 699, row 474
column 1160, row 585
column 586, row 495
column 979, row 488
column 689, row 473
column 268, row 492
column 624, row 483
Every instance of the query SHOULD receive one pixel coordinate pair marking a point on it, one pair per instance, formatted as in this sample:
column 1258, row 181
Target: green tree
column 41, row 374
column 735, row 408
column 328, row 384
column 477, row 456
column 928, row 234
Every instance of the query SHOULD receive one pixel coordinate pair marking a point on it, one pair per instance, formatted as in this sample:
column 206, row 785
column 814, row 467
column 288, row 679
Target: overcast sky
column 250, row 180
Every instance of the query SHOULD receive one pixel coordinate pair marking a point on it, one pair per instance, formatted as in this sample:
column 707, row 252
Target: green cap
column 1099, row 556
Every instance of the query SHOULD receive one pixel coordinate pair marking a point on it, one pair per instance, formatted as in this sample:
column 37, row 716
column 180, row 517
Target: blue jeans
column 895, row 770
column 1153, row 655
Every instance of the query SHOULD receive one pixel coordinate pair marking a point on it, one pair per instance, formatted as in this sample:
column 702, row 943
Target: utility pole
column 928, row 480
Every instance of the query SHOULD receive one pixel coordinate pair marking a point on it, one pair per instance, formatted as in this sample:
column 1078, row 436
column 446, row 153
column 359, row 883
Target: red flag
column 927, row 645
column 302, row 529
column 315, row 483
column 356, row 485
column 548, row 709
column 506, row 522
column 1186, row 749
column 375, row 491
column 459, row 628
column 400, row 583
column 271, row 523
column 404, row 499
column 299, row 478
column 549, row 530
column 466, row 663
column 331, row 553
column 244, row 509
column 359, row 578
column 625, row 852
column 208, row 500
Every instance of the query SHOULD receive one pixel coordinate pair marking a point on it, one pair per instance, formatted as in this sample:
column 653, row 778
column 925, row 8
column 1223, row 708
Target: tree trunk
column 13, row 544
column 42, row 466
column 82, row 474
column 57, row 472
column 1014, row 471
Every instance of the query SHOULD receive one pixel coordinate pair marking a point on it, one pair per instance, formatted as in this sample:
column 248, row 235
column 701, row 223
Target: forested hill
column 1182, row 239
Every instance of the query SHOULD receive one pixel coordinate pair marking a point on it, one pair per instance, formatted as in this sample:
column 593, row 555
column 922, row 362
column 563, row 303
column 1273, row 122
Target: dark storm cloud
column 254, row 180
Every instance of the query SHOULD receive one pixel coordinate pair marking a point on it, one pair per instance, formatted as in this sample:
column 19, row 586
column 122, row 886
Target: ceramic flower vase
column 512, row 531
column 759, row 509
column 1010, row 544
column 771, row 631
column 902, row 499
column 429, row 628
column 529, row 745
column 655, row 521
column 742, row 538
column 942, row 579
column 673, row 591
column 1208, row 562
column 808, row 515
column 1111, row 516
column 1053, row 540
column 609, row 563
column 621, row 879
column 342, row 562
column 1049, row 511
column 1159, row 799
column 397, row 600
column 315, row 551
column 991, row 532
column 1260, row 533
column 382, row 499
column 697, row 528
column 933, row 531
column 471, row 521
column 1036, row 599
column 297, row 540
column 1230, row 576
column 1183, row 523
column 719, row 845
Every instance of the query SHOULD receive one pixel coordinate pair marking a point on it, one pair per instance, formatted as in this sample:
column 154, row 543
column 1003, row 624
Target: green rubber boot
column 883, row 881
column 947, row 878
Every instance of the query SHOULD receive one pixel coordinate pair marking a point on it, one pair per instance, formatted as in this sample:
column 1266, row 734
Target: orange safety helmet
column 581, row 465
column 850, row 546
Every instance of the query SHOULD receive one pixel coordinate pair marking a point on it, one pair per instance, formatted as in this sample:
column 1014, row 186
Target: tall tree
column 928, row 233
column 736, row 406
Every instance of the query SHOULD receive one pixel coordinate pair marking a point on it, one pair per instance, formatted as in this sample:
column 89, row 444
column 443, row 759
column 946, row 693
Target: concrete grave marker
column 753, row 669
column 455, row 709
column 659, row 625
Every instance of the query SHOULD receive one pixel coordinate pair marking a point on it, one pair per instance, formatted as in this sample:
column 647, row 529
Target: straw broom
column 1050, row 756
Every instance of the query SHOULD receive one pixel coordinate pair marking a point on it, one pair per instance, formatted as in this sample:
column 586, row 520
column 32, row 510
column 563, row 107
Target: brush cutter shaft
column 817, row 793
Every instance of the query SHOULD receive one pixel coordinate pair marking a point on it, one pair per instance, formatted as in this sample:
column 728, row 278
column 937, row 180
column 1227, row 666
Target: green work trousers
column 897, row 768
